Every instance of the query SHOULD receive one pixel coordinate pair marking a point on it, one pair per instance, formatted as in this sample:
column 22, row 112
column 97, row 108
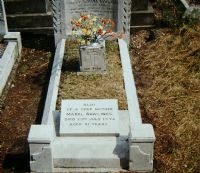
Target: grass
column 167, row 72
column 94, row 86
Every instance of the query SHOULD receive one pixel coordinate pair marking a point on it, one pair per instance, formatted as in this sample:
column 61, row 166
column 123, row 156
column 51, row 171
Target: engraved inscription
column 89, row 116
column 106, row 8
column 101, row 8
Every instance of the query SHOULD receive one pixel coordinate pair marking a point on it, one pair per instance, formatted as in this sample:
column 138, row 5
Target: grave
column 91, row 135
column 11, row 54
column 189, row 9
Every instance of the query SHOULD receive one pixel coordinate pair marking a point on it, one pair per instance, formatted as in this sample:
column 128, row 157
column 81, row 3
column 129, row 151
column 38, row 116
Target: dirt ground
column 2, row 48
column 24, row 103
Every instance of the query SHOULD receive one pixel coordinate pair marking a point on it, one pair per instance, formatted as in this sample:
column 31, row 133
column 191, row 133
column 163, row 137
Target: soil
column 24, row 103
column 93, row 86
column 2, row 48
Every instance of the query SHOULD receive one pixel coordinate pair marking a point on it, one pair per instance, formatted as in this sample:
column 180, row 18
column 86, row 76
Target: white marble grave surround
column 190, row 10
column 89, row 117
column 6, row 63
column 140, row 137
column 134, row 145
column 3, row 21
column 11, row 54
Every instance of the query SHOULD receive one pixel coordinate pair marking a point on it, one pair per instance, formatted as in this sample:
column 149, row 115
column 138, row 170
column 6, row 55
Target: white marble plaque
column 89, row 117
column 101, row 8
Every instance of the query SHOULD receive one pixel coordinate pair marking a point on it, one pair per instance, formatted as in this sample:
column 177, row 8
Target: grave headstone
column 3, row 21
column 117, row 10
column 89, row 117
column 99, row 8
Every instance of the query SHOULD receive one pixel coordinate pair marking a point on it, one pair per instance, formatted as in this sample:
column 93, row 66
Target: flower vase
column 92, row 57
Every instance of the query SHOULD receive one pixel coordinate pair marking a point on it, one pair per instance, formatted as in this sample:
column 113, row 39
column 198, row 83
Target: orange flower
column 104, row 21
column 108, row 31
column 111, row 22
column 100, row 31
column 78, row 24
column 84, row 17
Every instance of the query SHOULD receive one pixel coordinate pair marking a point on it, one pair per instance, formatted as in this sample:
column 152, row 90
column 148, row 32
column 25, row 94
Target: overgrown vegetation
column 166, row 65
column 171, row 13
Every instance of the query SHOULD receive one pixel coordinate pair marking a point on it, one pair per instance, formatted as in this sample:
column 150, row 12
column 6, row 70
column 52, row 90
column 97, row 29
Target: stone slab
column 35, row 30
column 90, row 152
column 89, row 170
column 143, row 17
column 42, row 134
column 143, row 133
column 14, row 37
column 51, row 98
column 123, row 123
column 7, row 61
column 29, row 20
column 89, row 117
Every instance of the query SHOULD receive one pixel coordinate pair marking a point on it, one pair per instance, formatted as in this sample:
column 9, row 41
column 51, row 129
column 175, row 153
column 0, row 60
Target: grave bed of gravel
column 92, row 86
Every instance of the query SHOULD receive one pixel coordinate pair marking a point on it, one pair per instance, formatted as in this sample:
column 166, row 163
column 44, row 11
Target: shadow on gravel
column 17, row 157
column 38, row 42
column 44, row 91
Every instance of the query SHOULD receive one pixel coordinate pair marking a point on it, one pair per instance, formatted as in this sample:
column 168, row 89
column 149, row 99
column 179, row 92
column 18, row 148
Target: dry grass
column 167, row 72
column 94, row 86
